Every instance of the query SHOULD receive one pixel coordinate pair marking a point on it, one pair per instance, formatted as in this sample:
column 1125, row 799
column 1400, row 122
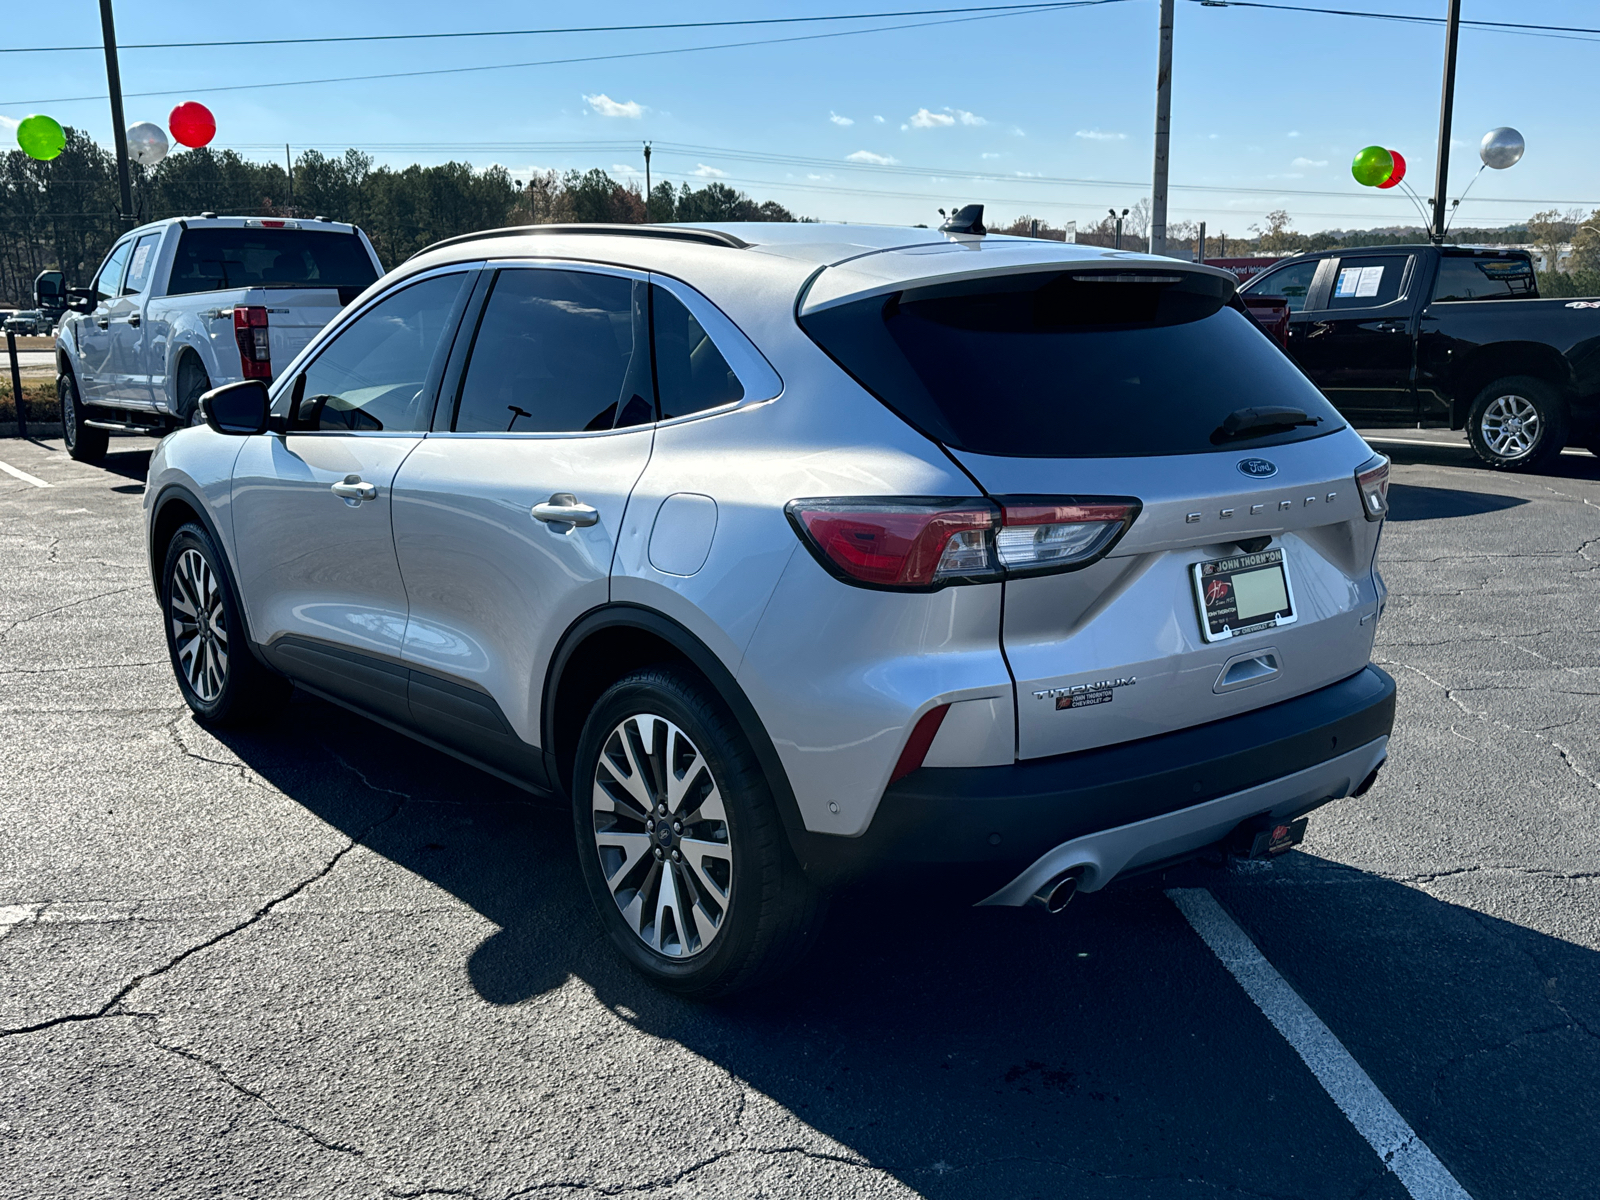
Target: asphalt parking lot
column 320, row 960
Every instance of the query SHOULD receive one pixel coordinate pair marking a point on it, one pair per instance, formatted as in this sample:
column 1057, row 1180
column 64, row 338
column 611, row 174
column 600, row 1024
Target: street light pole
column 1447, row 102
column 119, row 130
column 1158, row 189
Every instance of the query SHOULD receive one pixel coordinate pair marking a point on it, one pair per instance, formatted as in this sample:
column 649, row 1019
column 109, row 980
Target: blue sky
column 1268, row 107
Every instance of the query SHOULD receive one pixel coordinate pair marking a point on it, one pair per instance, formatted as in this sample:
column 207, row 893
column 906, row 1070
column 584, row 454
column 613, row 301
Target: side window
column 1468, row 278
column 142, row 264
column 691, row 374
column 376, row 373
column 1293, row 283
column 1369, row 281
column 558, row 352
column 105, row 283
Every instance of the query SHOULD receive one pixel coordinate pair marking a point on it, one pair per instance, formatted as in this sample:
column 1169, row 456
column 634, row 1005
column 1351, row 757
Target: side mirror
column 81, row 300
column 239, row 408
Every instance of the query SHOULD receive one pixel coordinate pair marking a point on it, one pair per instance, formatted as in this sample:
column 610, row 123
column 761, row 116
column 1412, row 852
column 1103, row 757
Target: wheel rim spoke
column 670, row 875
column 199, row 625
column 1511, row 426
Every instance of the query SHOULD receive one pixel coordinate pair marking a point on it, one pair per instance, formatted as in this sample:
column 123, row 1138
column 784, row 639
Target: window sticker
column 1358, row 283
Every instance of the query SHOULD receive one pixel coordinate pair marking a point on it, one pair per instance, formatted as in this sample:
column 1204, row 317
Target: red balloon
column 1399, row 172
column 192, row 124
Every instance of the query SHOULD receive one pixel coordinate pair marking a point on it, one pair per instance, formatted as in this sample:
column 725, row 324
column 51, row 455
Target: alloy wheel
column 661, row 833
column 199, row 625
column 69, row 414
column 1510, row 426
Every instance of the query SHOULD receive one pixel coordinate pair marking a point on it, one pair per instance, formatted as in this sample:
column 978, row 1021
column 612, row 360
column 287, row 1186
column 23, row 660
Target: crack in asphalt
column 110, row 1006
column 45, row 612
column 85, row 667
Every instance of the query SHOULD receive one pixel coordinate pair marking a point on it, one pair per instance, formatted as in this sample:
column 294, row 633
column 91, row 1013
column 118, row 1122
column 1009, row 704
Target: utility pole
column 119, row 129
column 1158, row 188
column 1447, row 103
column 647, row 181
column 1117, row 241
column 288, row 163
column 1200, row 246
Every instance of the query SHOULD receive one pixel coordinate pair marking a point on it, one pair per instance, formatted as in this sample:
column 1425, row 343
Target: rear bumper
column 1268, row 760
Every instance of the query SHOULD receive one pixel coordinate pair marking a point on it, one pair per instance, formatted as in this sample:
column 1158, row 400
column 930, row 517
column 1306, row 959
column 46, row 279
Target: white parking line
column 22, row 475
column 1375, row 1119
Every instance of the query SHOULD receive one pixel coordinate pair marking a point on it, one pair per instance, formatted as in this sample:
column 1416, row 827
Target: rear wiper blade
column 1255, row 422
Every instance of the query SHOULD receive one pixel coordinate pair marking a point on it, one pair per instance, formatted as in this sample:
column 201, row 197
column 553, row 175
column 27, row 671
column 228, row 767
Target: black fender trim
column 813, row 850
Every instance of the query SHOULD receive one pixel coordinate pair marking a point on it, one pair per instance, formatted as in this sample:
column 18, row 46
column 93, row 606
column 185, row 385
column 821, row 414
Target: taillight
column 1372, row 485
column 915, row 544
column 255, row 350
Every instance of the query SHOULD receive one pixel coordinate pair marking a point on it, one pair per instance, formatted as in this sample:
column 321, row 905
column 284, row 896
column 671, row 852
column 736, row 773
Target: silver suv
column 790, row 552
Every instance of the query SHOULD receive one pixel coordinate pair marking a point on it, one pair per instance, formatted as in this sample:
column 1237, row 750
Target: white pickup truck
column 188, row 304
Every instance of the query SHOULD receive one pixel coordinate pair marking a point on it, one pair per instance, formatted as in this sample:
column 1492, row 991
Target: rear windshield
column 1070, row 364
column 1462, row 278
column 212, row 260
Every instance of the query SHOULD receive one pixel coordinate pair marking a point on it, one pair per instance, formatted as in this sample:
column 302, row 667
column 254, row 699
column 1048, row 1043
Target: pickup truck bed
column 185, row 305
column 1445, row 336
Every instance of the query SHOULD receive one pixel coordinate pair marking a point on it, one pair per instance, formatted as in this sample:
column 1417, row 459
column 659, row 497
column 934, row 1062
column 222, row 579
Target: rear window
column 1070, row 364
column 210, row 260
column 1462, row 278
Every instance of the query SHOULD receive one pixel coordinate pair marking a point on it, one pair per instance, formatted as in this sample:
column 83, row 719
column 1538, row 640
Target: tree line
column 62, row 214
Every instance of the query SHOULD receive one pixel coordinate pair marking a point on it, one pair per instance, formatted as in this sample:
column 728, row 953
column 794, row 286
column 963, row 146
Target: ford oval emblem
column 1257, row 468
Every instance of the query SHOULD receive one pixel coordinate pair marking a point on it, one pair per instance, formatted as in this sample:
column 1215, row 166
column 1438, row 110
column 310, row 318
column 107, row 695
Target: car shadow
column 1412, row 502
column 994, row 1052
column 1460, row 454
column 130, row 464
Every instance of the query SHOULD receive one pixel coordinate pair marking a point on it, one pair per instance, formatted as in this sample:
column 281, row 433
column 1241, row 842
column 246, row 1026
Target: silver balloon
column 1501, row 148
column 147, row 143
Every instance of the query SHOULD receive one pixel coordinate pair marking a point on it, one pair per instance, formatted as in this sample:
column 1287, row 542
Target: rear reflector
column 255, row 348
column 1372, row 485
column 918, row 744
column 917, row 544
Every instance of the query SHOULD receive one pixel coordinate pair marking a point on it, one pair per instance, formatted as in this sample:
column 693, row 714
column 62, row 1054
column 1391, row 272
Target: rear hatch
column 1246, row 576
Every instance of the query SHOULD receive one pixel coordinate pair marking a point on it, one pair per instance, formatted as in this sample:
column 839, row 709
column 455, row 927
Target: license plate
column 1243, row 594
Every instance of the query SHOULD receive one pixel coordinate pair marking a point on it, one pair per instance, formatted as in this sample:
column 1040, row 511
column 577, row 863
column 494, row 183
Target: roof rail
column 705, row 237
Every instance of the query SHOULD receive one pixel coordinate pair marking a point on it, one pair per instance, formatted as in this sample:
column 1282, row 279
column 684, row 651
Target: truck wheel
column 1518, row 424
column 680, row 840
column 85, row 445
column 192, row 384
column 219, row 677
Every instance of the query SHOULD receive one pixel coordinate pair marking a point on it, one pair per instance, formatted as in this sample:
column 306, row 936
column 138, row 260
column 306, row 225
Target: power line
column 1564, row 32
column 587, row 58
column 498, row 33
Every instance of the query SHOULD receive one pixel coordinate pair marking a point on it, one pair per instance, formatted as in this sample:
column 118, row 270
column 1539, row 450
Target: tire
column 1518, row 424
column 219, row 677
column 737, row 909
column 84, row 445
column 192, row 384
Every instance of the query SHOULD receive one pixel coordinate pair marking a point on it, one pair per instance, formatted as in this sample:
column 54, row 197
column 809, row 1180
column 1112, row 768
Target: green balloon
column 1372, row 166
column 41, row 137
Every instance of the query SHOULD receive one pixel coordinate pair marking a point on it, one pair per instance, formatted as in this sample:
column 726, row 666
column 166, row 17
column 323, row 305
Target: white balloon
column 1501, row 148
column 147, row 143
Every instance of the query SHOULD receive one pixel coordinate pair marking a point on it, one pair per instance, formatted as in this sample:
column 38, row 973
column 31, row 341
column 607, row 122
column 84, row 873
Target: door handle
column 103, row 322
column 563, row 509
column 1391, row 326
column 352, row 491
column 133, row 319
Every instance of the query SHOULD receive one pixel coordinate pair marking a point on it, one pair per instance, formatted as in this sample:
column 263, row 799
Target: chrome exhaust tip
column 1058, row 892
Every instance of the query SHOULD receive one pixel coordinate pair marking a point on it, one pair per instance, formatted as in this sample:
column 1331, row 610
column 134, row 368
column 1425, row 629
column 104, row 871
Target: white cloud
column 990, row 156
column 1100, row 135
column 821, row 178
column 1027, row 174
column 867, row 156
column 967, row 118
column 1294, row 133
column 838, row 120
column 923, row 119
column 10, row 122
column 706, row 172
column 625, row 169
column 607, row 107
column 1309, row 162
column 1214, row 136
column 878, row 119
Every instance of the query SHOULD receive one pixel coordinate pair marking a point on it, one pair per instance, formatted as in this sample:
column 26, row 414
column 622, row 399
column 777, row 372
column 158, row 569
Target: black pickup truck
column 1446, row 336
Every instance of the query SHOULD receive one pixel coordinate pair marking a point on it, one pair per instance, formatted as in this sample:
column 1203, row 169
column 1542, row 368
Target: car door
column 506, row 519
column 128, row 375
column 311, row 506
column 1360, row 346
column 94, row 331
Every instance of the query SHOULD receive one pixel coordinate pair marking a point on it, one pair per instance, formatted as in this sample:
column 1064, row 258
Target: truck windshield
column 1073, row 363
column 210, row 260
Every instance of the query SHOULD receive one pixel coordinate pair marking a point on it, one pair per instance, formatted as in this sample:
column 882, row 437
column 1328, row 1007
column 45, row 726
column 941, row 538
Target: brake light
column 917, row 544
column 255, row 349
column 1372, row 485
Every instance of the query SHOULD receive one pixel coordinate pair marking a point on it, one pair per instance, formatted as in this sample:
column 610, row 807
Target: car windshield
column 210, row 260
column 1075, row 363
